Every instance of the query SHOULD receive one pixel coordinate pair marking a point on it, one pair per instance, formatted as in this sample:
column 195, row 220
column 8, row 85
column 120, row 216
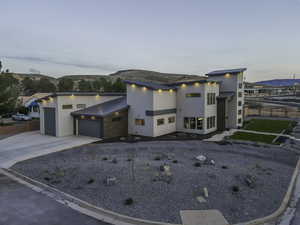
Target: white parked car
column 21, row 117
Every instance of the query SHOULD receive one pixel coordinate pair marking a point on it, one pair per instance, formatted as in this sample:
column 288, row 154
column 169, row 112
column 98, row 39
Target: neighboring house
column 31, row 103
column 149, row 109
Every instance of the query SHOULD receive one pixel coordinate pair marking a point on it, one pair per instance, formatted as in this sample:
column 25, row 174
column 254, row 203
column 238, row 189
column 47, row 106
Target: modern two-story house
column 214, row 102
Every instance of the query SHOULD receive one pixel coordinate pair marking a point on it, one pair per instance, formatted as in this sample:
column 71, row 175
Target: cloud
column 105, row 67
column 35, row 71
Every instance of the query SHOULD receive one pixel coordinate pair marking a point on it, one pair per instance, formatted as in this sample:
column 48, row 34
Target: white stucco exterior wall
column 64, row 120
column 231, row 83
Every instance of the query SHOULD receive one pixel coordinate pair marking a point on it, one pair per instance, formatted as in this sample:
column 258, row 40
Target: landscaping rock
column 250, row 181
column 201, row 158
column 205, row 191
column 109, row 181
column 201, row 199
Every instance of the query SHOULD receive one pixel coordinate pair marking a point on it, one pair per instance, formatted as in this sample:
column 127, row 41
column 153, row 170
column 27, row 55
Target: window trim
column 171, row 119
column 193, row 95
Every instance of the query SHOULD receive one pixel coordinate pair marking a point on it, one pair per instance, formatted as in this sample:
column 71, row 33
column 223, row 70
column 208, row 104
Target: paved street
column 19, row 205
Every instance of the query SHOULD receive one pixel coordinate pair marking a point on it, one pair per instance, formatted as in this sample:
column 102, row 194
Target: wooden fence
column 272, row 111
column 20, row 127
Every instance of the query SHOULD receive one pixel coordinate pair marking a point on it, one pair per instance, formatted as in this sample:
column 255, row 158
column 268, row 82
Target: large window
column 211, row 122
column 171, row 119
column 240, row 94
column 139, row 122
column 193, row 95
column 193, row 123
column 160, row 121
column 240, row 112
column 240, row 85
column 67, row 107
column 240, row 103
column 211, row 98
column 239, row 120
column 199, row 123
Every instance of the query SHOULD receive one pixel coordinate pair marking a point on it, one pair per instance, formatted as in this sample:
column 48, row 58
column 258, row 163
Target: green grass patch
column 272, row 126
column 253, row 137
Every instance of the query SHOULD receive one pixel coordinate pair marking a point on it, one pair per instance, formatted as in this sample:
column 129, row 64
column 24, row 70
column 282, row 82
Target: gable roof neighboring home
column 103, row 109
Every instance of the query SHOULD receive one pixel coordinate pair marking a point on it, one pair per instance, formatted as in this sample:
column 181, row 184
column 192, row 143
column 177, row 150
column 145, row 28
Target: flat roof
column 78, row 93
column 150, row 85
column 167, row 86
column 103, row 109
column 223, row 72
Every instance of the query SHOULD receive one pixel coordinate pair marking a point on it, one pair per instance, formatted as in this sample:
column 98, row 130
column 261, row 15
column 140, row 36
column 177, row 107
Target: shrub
column 175, row 161
column 128, row 201
column 104, row 158
column 224, row 167
column 235, row 189
column 114, row 161
column 157, row 158
column 197, row 164
column 91, row 181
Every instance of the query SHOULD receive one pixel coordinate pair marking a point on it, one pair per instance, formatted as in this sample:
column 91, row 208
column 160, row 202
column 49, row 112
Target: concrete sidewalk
column 32, row 144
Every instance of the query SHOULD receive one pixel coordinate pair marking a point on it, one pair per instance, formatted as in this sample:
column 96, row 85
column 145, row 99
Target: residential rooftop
column 223, row 72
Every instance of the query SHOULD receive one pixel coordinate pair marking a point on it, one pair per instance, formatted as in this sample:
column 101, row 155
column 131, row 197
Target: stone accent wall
column 20, row 127
column 116, row 128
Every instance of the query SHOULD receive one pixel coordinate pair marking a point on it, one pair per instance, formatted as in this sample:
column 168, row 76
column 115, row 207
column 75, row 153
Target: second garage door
column 91, row 128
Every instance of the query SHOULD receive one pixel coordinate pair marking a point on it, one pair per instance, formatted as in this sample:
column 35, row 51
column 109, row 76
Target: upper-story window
column 171, row 119
column 240, row 94
column 67, row 106
column 211, row 98
column 193, row 95
column 240, row 103
column 81, row 106
column 240, row 85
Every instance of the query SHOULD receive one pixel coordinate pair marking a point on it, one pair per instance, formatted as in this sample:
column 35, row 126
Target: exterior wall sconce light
column 97, row 96
column 93, row 117
column 227, row 75
column 159, row 90
column 82, row 117
column 117, row 113
column 183, row 85
column 133, row 85
column 144, row 89
column 197, row 84
column 171, row 90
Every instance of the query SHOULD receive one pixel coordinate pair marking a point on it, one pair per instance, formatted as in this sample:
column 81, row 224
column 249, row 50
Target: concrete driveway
column 32, row 144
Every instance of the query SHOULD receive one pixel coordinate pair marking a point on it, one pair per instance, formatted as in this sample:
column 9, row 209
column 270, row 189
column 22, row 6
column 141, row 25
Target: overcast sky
column 61, row 37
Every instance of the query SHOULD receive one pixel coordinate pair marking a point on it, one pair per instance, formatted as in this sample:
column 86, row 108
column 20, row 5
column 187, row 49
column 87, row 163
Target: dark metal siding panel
column 49, row 121
column 91, row 128
column 221, row 113
column 160, row 112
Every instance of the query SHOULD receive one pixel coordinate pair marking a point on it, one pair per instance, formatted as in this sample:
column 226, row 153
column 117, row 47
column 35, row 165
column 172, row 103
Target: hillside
column 21, row 76
column 152, row 76
column 279, row 82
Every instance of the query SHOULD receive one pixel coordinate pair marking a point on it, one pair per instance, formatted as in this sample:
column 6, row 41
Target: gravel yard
column 246, row 182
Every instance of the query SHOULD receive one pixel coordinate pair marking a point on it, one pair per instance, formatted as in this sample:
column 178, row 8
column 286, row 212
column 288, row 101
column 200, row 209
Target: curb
column 284, row 203
column 78, row 204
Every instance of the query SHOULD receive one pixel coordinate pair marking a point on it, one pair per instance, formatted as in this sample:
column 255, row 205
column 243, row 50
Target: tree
column 84, row 85
column 9, row 93
column 7, row 71
column 98, row 85
column 65, row 84
column 29, row 86
column 118, row 86
column 45, row 85
column 0, row 66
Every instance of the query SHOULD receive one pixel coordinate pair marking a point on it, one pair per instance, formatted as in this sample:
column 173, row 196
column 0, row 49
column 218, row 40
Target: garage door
column 49, row 121
column 91, row 128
